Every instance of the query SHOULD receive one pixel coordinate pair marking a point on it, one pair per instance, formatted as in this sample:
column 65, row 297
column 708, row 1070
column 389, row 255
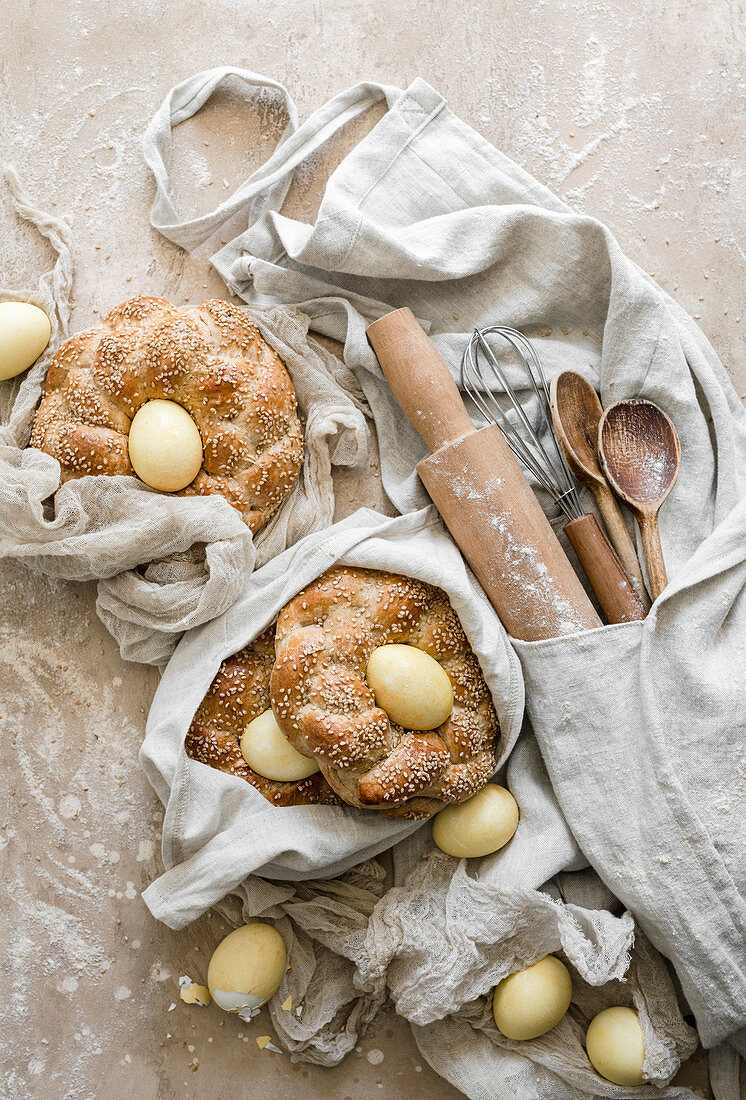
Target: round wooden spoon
column 640, row 455
column 576, row 412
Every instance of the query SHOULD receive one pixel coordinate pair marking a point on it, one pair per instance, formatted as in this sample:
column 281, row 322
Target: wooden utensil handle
column 489, row 508
column 620, row 538
column 651, row 544
column 420, row 380
column 613, row 587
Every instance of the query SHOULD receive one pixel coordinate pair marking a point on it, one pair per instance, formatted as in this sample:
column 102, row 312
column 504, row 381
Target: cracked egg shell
column 246, row 969
column 192, row 993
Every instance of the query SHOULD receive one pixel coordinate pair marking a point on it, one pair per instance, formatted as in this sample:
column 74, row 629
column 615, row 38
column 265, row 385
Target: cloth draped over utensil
column 634, row 755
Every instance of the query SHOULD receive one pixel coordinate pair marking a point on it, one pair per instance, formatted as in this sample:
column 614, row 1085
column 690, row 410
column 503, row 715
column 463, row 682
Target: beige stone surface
column 633, row 110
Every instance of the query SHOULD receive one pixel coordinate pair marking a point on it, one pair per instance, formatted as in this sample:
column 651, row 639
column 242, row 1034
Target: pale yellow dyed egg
column 531, row 1002
column 266, row 749
column 246, row 969
column 165, row 446
column 481, row 825
column 410, row 686
column 615, row 1045
column 24, row 333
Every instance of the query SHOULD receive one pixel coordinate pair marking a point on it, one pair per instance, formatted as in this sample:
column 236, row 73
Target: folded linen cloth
column 647, row 718
column 438, row 943
column 218, row 829
column 164, row 563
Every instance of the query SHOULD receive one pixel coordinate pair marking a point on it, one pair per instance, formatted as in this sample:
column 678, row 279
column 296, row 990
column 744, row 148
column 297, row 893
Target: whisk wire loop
column 483, row 375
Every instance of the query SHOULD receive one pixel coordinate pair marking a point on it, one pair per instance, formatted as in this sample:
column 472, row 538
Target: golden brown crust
column 238, row 694
column 211, row 360
column 325, row 708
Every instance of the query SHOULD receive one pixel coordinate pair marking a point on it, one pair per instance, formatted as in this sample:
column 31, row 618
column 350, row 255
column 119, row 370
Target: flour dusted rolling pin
column 481, row 492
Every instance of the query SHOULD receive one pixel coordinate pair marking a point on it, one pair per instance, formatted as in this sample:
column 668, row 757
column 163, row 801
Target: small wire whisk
column 482, row 376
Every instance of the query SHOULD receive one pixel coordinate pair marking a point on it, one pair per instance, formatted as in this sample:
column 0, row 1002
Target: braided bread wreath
column 209, row 359
column 324, row 706
column 238, row 694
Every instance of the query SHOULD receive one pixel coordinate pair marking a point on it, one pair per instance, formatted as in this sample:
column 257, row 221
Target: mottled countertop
column 632, row 112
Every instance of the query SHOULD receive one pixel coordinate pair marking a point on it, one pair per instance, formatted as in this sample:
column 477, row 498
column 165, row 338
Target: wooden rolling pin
column 481, row 492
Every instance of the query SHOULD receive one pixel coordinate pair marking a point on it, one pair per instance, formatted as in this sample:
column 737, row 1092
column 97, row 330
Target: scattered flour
column 159, row 972
column 70, row 806
column 100, row 852
column 145, row 851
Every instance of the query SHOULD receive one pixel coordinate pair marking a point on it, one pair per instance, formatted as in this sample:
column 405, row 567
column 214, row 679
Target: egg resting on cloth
column 325, row 707
column 212, row 361
column 238, row 694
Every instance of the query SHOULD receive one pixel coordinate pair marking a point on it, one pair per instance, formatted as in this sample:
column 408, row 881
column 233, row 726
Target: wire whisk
column 483, row 377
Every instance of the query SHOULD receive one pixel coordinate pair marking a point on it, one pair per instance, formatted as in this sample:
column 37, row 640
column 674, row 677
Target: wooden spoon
column 640, row 455
column 576, row 412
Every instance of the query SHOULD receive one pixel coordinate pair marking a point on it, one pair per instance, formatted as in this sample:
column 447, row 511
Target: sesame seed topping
column 213, row 361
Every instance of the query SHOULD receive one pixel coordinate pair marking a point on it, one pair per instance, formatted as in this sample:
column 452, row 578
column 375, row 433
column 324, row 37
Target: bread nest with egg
column 238, row 694
column 211, row 360
column 325, row 707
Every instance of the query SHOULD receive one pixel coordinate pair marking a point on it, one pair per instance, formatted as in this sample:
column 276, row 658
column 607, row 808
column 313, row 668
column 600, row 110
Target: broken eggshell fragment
column 192, row 993
column 245, row 1005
